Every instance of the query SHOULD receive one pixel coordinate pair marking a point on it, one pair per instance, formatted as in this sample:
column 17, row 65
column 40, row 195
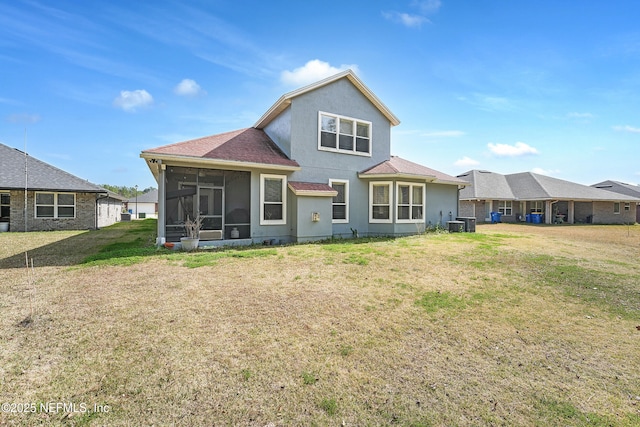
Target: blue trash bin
column 536, row 218
column 528, row 217
column 495, row 217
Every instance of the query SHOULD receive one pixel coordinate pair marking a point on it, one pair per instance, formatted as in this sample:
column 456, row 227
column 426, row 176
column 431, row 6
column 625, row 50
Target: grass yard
column 512, row 325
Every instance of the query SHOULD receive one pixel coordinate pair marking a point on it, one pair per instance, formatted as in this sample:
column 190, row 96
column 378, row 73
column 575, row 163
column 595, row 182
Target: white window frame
column 627, row 207
column 282, row 221
column 534, row 206
column 4, row 204
column 411, row 204
column 346, row 201
column 337, row 149
column 55, row 205
column 616, row 208
column 505, row 207
column 373, row 184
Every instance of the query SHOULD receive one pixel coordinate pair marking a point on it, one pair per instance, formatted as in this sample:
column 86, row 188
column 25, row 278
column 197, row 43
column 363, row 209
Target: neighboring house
column 622, row 188
column 56, row 200
column 144, row 205
column 317, row 164
column 520, row 196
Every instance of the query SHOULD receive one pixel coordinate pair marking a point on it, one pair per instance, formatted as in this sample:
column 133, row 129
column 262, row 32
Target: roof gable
column 285, row 100
column 40, row 175
column 397, row 167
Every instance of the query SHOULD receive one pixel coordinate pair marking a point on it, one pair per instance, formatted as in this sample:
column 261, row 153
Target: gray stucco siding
column 260, row 232
column 441, row 204
column 279, row 130
column 306, row 229
column 344, row 99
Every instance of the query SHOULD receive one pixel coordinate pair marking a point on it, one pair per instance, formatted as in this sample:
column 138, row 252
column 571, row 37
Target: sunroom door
column 211, row 208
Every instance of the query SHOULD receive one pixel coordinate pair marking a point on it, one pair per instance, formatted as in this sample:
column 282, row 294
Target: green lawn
column 512, row 325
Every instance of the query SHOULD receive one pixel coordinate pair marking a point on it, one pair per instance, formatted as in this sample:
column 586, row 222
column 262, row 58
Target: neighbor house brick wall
column 603, row 214
column 85, row 214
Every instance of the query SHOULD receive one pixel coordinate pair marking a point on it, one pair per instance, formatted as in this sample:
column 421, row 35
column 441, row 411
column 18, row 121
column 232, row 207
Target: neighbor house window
column 536, row 207
column 5, row 205
column 340, row 203
column 627, row 207
column 505, row 207
column 55, row 205
column 273, row 196
column 616, row 208
column 380, row 202
column 344, row 134
column 409, row 202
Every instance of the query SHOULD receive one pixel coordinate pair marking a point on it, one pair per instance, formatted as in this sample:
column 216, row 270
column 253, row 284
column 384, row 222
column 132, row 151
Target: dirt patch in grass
column 496, row 328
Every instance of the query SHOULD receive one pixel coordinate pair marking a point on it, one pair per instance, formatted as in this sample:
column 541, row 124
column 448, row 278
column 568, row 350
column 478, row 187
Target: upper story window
column 344, row 134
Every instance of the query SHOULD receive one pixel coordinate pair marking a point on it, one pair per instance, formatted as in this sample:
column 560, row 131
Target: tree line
column 125, row 191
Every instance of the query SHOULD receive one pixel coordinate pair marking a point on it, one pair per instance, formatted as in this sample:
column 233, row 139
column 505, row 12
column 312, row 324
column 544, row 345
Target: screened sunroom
column 222, row 198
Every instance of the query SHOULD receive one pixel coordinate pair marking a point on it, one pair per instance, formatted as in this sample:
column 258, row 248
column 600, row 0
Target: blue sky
column 507, row 86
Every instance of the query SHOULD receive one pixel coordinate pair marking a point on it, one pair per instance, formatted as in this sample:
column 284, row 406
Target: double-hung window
column 340, row 203
column 344, row 134
column 410, row 202
column 616, row 208
column 536, row 207
column 627, row 207
column 380, row 202
column 5, row 205
column 273, row 199
column 505, row 207
column 55, row 205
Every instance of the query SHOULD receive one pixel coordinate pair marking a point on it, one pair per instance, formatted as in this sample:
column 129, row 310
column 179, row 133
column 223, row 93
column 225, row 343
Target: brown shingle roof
column 312, row 189
column 248, row 145
column 397, row 166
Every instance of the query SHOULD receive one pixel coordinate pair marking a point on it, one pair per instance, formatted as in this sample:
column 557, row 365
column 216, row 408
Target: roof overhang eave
column 396, row 176
column 189, row 161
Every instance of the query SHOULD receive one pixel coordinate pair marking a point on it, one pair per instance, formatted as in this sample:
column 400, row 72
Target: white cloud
column 313, row 71
column 466, row 161
column 131, row 100
column 627, row 128
column 547, row 172
column 506, row 150
column 406, row 19
column 444, row 134
column 427, row 6
column 414, row 20
column 188, row 87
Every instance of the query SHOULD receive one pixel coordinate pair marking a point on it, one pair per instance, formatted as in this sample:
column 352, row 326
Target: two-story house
column 317, row 164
